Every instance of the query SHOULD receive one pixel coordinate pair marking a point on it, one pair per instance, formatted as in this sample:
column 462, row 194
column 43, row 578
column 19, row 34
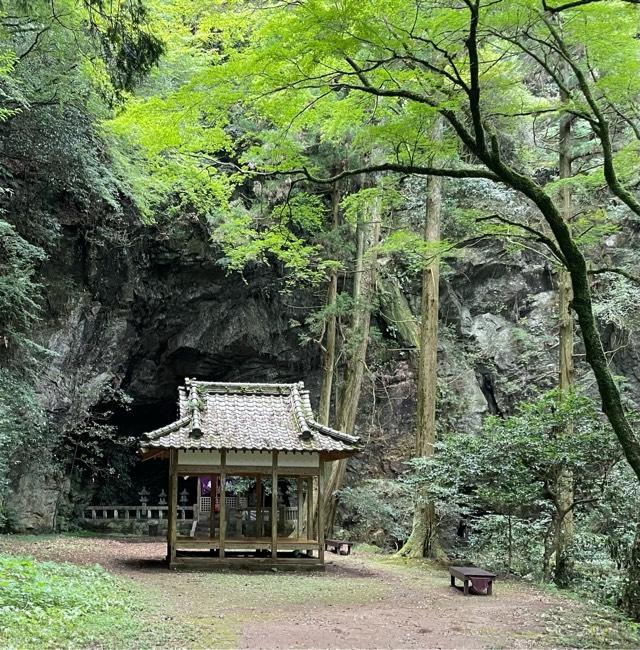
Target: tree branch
column 577, row 3
column 400, row 169
column 474, row 74
column 617, row 271
column 538, row 236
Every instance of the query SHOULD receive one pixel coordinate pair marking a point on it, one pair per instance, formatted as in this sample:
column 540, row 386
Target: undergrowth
column 52, row 605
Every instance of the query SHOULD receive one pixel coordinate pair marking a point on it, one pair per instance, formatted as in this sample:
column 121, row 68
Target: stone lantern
column 144, row 497
column 162, row 498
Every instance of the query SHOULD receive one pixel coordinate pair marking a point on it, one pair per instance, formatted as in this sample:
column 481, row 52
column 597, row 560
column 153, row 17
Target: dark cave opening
column 152, row 386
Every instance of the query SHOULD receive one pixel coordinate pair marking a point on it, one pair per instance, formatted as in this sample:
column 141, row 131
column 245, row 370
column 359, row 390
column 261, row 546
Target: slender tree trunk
column 329, row 356
column 564, row 525
column 509, row 543
column 549, row 543
column 631, row 594
column 368, row 236
column 423, row 541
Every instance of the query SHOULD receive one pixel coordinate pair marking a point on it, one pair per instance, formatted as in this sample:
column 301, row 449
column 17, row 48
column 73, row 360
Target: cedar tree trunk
column 368, row 235
column 423, row 541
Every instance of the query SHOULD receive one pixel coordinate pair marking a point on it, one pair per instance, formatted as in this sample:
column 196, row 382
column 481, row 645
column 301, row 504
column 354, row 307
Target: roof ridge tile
column 169, row 428
column 241, row 415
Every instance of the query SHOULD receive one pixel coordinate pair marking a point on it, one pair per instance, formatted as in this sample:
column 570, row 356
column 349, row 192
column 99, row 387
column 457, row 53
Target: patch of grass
column 51, row 605
column 368, row 549
column 190, row 631
column 208, row 609
column 425, row 571
column 580, row 623
column 277, row 589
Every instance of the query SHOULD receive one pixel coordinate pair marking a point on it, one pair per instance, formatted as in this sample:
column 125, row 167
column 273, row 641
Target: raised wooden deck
column 198, row 562
column 248, row 543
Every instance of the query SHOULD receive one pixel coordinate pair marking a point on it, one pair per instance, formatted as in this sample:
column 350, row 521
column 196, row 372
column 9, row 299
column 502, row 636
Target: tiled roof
column 248, row 417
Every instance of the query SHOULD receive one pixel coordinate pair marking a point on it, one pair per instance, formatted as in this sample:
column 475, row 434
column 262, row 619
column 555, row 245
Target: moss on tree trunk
column 363, row 292
column 631, row 593
column 423, row 541
column 563, row 513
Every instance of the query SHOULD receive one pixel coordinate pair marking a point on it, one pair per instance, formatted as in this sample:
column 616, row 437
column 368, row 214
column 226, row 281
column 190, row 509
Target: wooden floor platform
column 199, row 560
column 247, row 543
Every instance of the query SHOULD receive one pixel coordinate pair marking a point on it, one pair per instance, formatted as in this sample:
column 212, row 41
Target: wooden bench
column 338, row 546
column 472, row 573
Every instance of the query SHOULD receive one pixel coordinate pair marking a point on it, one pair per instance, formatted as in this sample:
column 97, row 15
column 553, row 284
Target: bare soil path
column 360, row 602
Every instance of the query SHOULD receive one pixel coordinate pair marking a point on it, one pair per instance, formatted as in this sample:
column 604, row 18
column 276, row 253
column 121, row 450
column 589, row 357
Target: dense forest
column 428, row 211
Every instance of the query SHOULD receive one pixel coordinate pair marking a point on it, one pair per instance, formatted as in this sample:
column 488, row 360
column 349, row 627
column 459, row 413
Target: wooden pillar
column 274, row 505
column 173, row 506
column 259, row 522
column 300, row 508
column 196, row 514
column 223, row 501
column 310, row 507
column 320, row 515
column 212, row 513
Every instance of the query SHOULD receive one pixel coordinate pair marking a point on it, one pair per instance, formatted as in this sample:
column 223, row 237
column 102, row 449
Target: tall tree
column 563, row 515
column 329, row 352
column 386, row 55
column 423, row 540
column 364, row 289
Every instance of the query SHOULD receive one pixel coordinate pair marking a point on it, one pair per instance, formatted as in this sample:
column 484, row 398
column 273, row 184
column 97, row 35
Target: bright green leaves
column 606, row 34
column 254, row 88
column 12, row 99
column 52, row 605
column 246, row 238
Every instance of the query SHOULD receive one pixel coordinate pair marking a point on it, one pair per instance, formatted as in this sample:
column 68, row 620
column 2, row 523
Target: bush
column 519, row 551
column 45, row 604
column 378, row 512
column 502, row 483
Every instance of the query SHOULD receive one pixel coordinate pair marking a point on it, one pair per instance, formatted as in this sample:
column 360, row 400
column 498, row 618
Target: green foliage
column 500, row 483
column 376, row 511
column 129, row 47
column 512, row 463
column 244, row 241
column 22, row 430
column 49, row 605
column 18, row 294
column 491, row 536
column 618, row 304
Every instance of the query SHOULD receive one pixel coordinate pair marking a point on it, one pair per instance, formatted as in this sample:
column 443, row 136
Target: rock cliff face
column 143, row 316
column 141, row 311
column 140, row 315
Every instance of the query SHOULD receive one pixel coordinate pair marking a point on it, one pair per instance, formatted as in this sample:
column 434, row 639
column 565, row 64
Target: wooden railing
column 185, row 513
column 290, row 514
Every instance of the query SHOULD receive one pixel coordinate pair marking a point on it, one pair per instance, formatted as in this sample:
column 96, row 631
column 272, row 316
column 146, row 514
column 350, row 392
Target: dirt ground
column 359, row 602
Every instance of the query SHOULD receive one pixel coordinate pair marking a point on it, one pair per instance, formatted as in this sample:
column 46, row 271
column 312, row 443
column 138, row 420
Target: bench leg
column 466, row 587
column 490, row 588
column 453, row 581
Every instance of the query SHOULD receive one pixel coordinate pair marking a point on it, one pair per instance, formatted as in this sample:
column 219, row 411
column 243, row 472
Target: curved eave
column 160, row 453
